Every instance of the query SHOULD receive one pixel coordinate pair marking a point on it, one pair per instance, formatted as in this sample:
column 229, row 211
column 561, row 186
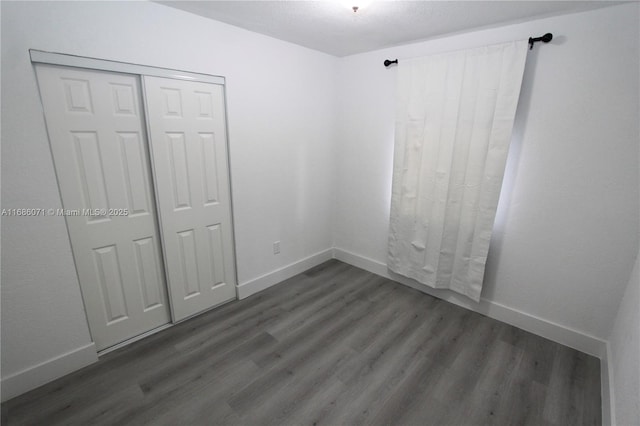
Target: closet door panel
column 98, row 140
column 188, row 140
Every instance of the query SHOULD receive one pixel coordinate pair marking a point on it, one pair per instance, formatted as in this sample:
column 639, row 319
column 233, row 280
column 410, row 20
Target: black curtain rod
column 532, row 40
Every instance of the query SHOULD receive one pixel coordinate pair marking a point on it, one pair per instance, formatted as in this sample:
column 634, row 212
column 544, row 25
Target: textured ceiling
column 331, row 27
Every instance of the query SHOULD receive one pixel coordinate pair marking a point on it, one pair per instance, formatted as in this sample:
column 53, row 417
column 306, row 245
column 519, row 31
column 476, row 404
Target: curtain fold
column 454, row 117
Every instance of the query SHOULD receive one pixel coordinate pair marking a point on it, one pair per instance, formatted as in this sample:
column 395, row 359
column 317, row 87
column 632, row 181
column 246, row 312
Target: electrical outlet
column 276, row 247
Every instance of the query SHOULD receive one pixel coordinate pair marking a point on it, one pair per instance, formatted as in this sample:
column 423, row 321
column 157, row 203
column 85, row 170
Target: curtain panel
column 454, row 118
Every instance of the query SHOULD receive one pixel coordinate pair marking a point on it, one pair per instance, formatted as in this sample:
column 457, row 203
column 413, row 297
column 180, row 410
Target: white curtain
column 454, row 118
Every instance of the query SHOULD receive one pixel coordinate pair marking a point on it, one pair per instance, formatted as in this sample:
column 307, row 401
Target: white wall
column 624, row 354
column 281, row 106
column 567, row 227
column 623, row 351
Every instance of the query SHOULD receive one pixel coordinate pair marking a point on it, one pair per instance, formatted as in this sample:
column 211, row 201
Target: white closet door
column 189, row 149
column 96, row 128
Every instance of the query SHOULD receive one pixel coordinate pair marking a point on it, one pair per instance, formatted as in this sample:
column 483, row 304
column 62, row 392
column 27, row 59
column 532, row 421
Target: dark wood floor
column 333, row 346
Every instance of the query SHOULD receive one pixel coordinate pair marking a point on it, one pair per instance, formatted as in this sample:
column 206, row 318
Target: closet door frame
column 53, row 58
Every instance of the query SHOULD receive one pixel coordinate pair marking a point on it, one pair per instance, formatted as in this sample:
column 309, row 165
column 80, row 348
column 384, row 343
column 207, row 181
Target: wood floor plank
column 488, row 384
column 334, row 345
column 300, row 354
column 206, row 391
column 538, row 351
column 362, row 399
column 275, row 406
column 197, row 365
column 301, row 312
column 402, row 338
column 107, row 410
column 412, row 401
column 298, row 292
column 344, row 314
column 309, row 410
column 526, row 395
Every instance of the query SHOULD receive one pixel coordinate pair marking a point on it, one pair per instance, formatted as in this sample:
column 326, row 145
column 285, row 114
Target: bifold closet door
column 189, row 150
column 96, row 129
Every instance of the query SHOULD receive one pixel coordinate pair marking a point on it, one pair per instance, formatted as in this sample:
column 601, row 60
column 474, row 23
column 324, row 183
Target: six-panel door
column 188, row 144
column 97, row 132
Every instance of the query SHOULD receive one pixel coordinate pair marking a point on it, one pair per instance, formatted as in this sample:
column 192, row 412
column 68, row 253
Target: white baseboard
column 263, row 282
column 549, row 330
column 606, row 381
column 40, row 374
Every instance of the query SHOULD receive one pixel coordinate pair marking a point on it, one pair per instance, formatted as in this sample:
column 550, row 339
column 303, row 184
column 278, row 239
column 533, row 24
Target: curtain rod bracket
column 545, row 39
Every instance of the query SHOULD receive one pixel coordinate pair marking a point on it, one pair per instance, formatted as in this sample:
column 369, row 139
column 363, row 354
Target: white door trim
column 52, row 58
